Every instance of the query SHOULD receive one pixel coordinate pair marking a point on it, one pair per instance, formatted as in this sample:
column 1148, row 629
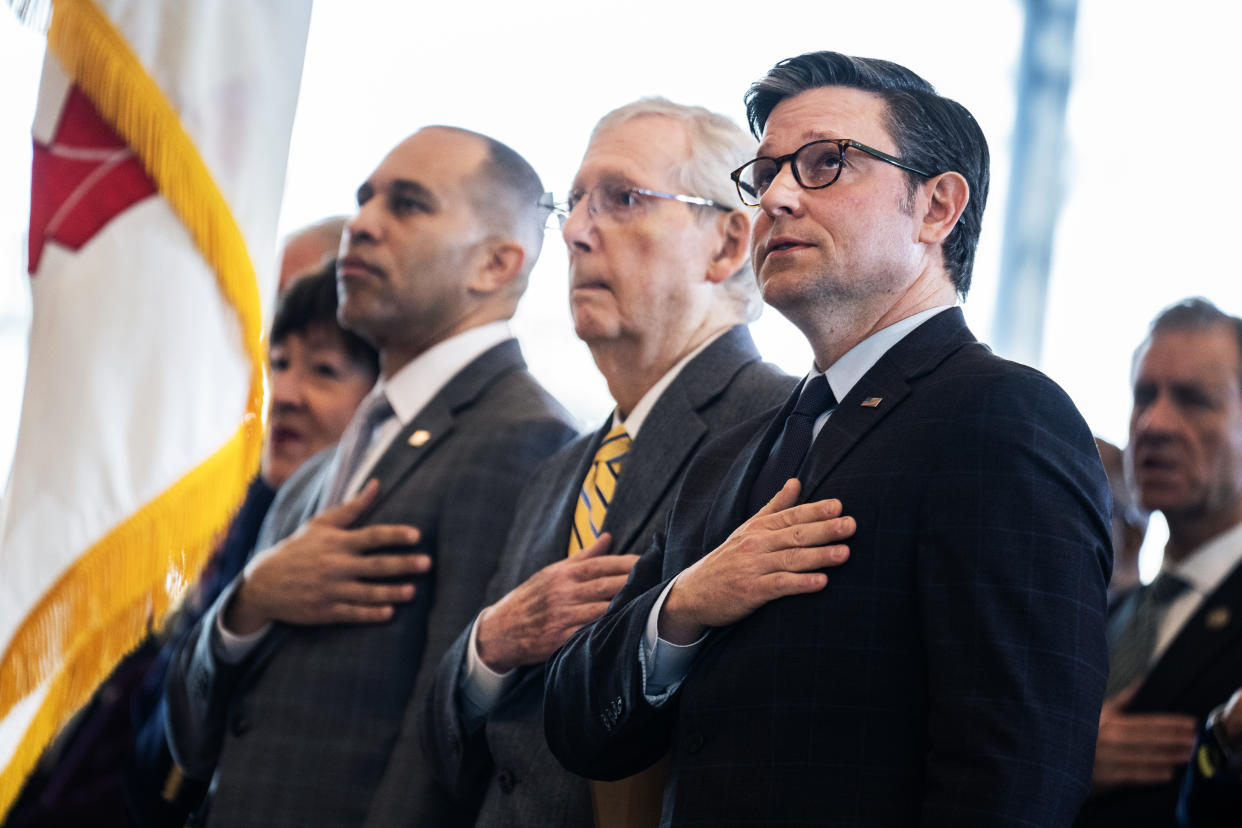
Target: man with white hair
column 660, row 291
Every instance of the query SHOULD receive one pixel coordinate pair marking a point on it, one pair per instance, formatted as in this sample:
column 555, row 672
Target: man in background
column 1130, row 521
column 1175, row 645
column 306, row 250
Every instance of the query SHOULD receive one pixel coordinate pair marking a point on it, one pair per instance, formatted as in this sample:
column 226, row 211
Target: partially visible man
column 1130, row 521
column 307, row 249
column 294, row 687
column 950, row 668
column 1176, row 644
column 660, row 291
column 1211, row 795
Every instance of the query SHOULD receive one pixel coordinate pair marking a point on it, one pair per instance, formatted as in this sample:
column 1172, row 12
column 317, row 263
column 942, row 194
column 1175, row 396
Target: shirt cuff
column 665, row 665
column 233, row 647
column 481, row 687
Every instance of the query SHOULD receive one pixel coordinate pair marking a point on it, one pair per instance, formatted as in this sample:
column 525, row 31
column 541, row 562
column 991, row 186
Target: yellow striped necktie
column 597, row 489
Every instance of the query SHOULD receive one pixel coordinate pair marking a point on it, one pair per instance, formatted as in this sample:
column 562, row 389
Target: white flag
column 161, row 138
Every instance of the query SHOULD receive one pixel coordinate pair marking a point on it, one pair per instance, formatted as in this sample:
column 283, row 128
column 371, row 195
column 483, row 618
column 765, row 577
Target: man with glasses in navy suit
column 948, row 667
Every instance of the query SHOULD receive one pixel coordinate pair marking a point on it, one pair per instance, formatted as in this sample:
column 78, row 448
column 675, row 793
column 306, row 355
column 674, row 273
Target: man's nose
column 364, row 225
column 1160, row 416
column 579, row 228
column 784, row 193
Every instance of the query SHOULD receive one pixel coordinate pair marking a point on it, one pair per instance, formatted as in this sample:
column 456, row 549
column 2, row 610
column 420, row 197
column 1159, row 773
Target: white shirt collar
column 413, row 386
column 648, row 400
column 849, row 369
column 1208, row 565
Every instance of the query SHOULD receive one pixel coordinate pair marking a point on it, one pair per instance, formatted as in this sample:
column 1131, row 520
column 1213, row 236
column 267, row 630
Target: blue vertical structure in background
column 1036, row 181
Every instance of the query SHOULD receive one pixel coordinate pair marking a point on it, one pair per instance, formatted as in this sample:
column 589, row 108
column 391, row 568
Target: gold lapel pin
column 872, row 402
column 1217, row 618
column 420, row 437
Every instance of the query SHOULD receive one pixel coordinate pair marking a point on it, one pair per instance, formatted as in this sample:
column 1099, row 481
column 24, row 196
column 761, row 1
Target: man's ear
column 732, row 248
column 947, row 195
column 501, row 262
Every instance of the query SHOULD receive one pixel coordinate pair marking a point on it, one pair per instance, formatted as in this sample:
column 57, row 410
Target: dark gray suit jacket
column 506, row 761
column 1200, row 669
column 302, row 730
column 951, row 672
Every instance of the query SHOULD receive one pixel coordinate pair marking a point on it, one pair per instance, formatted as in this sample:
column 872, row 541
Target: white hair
column 717, row 146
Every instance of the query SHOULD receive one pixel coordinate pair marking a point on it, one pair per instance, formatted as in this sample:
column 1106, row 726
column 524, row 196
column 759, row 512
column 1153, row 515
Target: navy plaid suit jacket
column 301, row 732
column 950, row 673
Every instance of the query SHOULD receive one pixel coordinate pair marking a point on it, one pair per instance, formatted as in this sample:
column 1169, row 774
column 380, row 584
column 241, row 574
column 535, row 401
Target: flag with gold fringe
column 160, row 143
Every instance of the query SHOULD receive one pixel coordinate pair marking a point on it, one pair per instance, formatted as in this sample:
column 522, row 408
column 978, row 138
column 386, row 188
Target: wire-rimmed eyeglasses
column 622, row 203
column 815, row 166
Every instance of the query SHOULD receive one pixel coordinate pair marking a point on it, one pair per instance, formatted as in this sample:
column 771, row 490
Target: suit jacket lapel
column 560, row 509
column 673, row 431
column 730, row 508
column 881, row 390
column 1203, row 640
column 419, row 438
column 653, row 462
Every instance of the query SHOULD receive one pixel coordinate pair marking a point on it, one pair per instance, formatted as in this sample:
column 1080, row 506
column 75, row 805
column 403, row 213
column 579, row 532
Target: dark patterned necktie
column 794, row 441
column 1130, row 655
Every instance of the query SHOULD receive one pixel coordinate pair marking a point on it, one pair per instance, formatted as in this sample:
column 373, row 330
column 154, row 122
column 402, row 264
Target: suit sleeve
column 1013, row 563
column 596, row 717
column 459, row 756
column 197, row 693
column 200, row 682
column 1204, row 802
column 480, row 503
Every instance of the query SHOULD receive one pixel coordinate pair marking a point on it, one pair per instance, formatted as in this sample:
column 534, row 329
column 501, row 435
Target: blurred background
column 1114, row 181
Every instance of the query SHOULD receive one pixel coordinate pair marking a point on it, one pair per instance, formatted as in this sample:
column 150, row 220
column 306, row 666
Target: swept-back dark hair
column 1193, row 314
column 932, row 132
column 310, row 302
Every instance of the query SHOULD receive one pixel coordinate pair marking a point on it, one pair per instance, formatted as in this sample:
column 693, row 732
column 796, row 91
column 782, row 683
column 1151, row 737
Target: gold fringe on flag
column 105, row 604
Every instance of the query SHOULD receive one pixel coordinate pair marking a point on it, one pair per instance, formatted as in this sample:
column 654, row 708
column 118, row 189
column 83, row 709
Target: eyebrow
column 610, row 178
column 805, row 138
column 400, row 186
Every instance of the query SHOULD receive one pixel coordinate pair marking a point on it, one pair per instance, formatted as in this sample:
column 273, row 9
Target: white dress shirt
column 481, row 687
column 665, row 664
column 408, row 391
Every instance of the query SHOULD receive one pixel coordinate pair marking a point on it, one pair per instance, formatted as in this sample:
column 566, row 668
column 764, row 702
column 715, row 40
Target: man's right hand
column 322, row 574
column 774, row 554
column 1140, row 748
column 530, row 623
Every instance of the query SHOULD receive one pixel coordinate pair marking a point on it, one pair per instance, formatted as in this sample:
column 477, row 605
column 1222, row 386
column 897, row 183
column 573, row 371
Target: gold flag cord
column 104, row 605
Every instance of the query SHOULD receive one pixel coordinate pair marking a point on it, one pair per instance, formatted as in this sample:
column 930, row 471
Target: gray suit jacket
column 506, row 762
column 302, row 730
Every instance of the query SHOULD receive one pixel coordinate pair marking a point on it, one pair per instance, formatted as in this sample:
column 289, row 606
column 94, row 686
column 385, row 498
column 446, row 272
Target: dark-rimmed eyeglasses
column 815, row 166
column 622, row 203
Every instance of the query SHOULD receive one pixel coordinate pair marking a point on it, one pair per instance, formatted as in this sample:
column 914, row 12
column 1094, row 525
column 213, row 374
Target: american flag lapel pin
column 872, row 402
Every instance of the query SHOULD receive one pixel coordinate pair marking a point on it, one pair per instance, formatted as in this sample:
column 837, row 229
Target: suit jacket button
column 506, row 780
column 240, row 723
column 693, row 742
